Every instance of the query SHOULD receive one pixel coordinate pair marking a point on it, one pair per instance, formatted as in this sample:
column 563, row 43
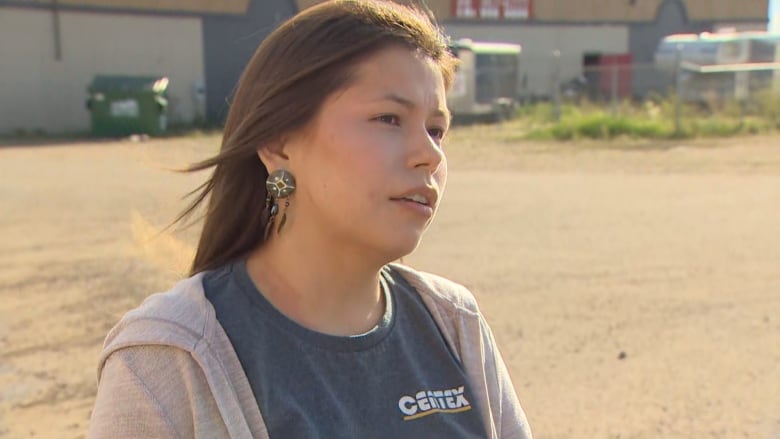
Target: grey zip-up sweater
column 168, row 369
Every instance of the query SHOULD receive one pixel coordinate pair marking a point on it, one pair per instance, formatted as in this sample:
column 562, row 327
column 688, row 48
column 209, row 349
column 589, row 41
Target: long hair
column 292, row 72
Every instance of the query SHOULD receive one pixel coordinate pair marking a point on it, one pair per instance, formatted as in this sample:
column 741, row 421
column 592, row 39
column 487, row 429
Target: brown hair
column 293, row 71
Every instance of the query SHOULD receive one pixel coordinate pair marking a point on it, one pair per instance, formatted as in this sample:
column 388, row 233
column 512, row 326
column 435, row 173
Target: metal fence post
column 678, row 91
column 614, row 89
column 556, row 86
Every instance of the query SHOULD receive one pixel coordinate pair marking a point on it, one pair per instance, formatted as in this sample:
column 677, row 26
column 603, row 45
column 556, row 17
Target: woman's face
column 370, row 168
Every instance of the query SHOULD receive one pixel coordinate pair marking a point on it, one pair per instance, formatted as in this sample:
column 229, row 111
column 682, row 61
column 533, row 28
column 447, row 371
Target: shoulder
column 439, row 291
column 155, row 391
column 455, row 311
column 181, row 317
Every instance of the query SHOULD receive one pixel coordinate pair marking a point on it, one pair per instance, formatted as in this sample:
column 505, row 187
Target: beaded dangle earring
column 279, row 185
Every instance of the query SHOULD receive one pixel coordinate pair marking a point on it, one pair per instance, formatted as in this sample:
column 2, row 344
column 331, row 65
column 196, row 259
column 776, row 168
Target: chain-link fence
column 710, row 85
column 616, row 83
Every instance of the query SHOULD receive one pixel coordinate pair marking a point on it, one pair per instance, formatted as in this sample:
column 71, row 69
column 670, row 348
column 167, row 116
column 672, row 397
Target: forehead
column 402, row 71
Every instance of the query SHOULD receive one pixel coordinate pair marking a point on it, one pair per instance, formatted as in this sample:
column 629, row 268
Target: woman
column 294, row 323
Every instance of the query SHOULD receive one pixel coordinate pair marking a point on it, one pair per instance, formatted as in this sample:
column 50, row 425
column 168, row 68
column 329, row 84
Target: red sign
column 517, row 9
column 492, row 9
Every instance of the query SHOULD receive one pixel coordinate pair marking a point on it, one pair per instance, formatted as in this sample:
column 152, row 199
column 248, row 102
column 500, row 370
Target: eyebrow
column 411, row 105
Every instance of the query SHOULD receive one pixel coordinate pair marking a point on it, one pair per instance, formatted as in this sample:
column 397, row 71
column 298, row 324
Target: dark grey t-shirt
column 399, row 380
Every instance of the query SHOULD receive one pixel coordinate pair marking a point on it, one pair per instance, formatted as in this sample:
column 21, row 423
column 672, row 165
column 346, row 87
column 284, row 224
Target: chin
column 401, row 246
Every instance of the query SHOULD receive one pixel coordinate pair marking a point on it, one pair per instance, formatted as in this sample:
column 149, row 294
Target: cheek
column 369, row 175
column 346, row 164
column 364, row 159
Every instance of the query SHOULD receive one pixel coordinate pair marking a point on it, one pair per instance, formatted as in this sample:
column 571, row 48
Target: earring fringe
column 273, row 209
column 284, row 216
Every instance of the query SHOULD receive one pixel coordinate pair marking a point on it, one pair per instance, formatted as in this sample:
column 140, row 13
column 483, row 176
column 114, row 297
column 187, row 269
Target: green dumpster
column 125, row 105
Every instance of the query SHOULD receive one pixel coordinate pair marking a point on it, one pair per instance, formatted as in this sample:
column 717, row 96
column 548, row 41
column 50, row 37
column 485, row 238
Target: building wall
column 539, row 43
column 228, row 44
column 440, row 9
column 544, row 10
column 189, row 6
column 583, row 11
column 39, row 92
column 645, row 10
column 643, row 41
column 725, row 26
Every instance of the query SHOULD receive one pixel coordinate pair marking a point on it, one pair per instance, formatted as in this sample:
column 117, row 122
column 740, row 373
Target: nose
column 425, row 152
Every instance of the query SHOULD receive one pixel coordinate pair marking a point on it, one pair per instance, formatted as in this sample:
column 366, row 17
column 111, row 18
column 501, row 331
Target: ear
column 273, row 156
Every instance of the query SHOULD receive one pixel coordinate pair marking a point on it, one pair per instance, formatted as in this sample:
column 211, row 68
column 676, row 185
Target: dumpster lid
column 103, row 83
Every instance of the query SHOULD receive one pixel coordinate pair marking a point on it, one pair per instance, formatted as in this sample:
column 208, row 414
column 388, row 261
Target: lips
column 423, row 195
column 417, row 199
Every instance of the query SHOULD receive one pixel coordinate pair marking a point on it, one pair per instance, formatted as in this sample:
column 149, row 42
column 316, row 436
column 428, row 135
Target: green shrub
column 653, row 118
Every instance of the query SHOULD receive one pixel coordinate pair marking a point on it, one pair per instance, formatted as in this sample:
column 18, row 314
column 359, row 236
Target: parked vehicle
column 487, row 83
column 718, row 48
column 735, row 49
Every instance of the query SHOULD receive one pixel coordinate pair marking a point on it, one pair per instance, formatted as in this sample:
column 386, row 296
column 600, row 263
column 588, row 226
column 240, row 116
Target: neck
column 326, row 288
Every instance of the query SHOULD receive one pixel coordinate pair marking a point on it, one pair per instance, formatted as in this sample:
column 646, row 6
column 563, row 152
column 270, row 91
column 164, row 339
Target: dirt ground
column 634, row 287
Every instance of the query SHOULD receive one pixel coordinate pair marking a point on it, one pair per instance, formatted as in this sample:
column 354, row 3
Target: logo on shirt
column 428, row 402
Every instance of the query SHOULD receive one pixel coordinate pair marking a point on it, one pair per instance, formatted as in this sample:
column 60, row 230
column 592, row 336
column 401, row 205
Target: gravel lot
column 634, row 287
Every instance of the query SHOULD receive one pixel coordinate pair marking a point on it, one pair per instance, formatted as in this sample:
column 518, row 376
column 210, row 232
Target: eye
column 391, row 119
column 436, row 133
